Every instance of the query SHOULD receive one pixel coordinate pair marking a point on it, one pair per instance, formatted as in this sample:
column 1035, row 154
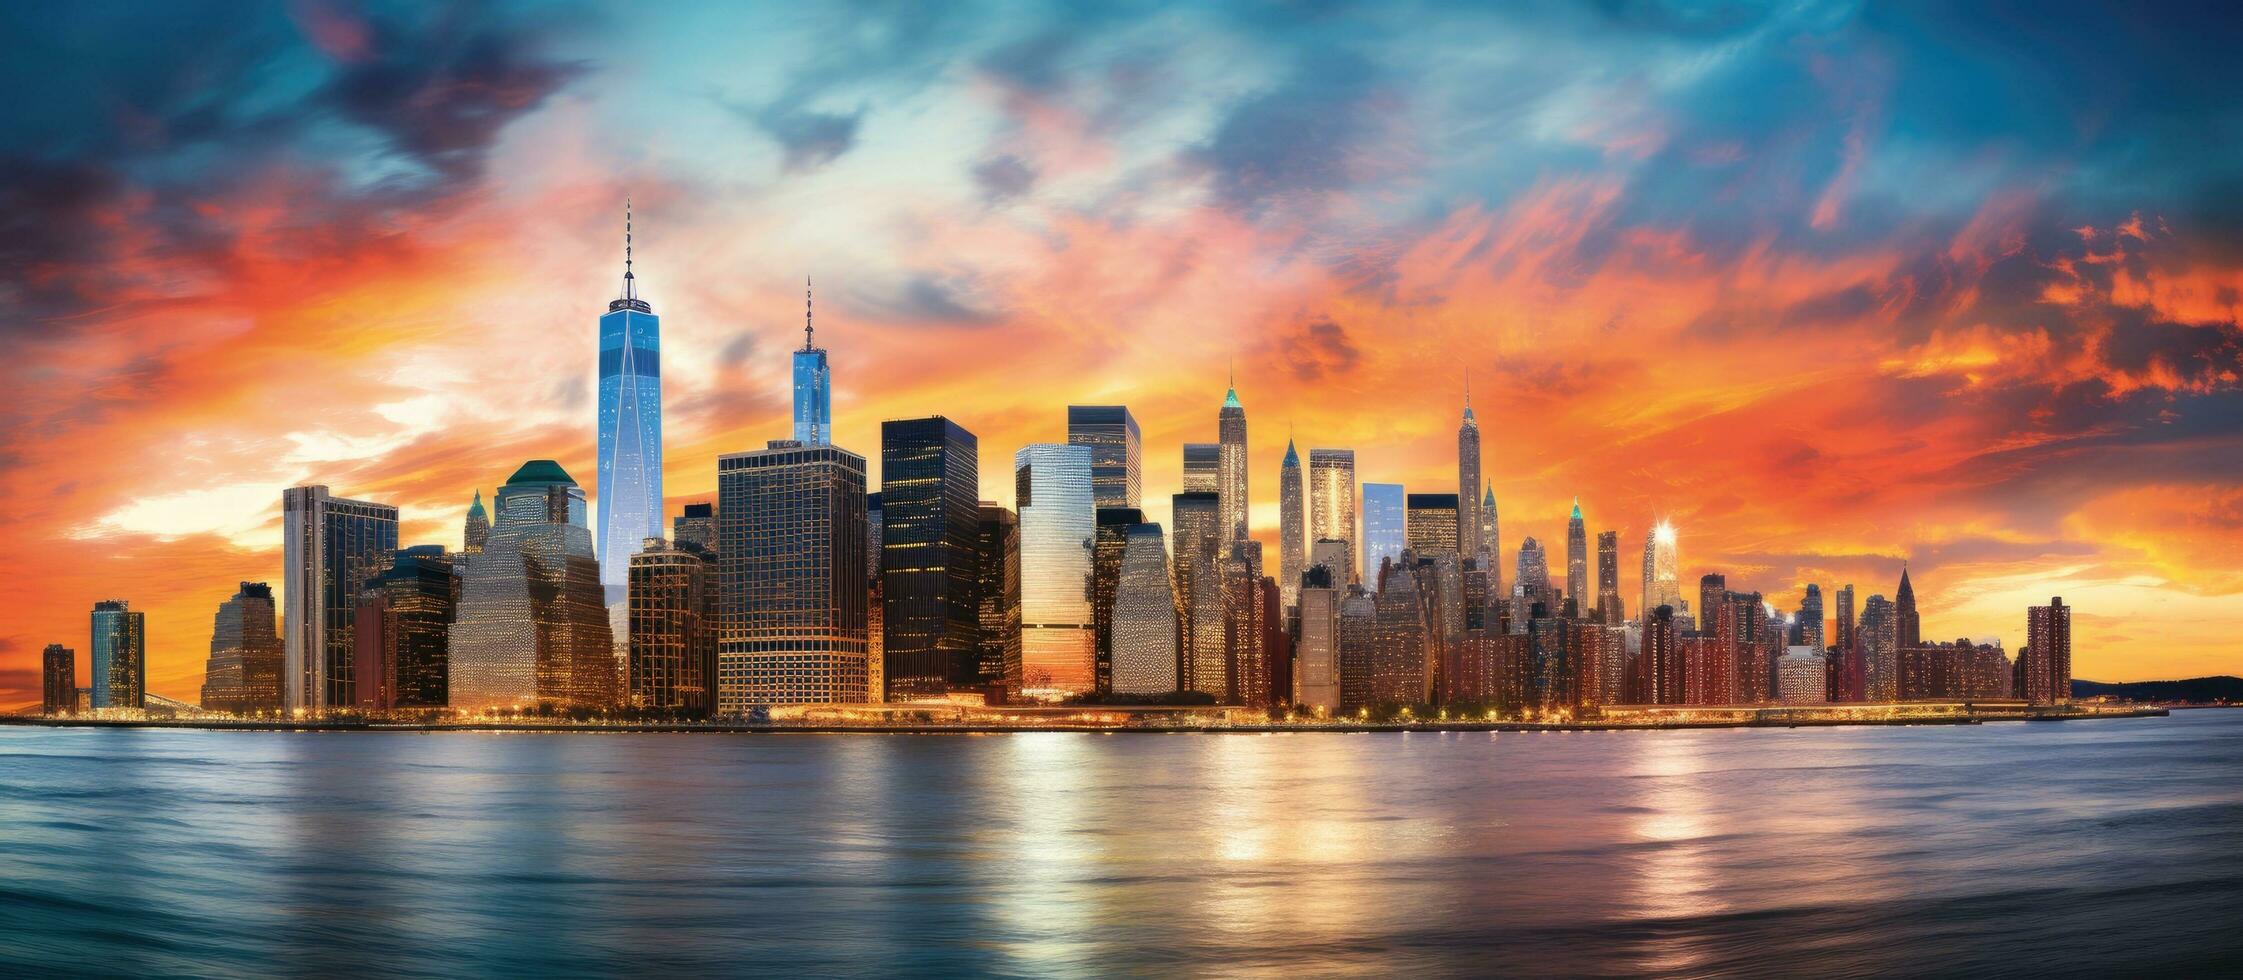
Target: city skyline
column 2021, row 386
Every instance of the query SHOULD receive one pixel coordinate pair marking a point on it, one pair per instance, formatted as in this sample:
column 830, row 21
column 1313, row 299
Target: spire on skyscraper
column 1577, row 508
column 1468, row 395
column 630, row 287
column 806, row 344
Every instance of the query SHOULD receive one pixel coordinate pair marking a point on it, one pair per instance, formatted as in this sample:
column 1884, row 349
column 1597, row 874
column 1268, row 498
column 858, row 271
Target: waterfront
column 2114, row 845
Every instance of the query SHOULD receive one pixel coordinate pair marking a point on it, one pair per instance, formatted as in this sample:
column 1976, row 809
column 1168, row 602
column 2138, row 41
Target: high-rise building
column 1880, row 647
column 2047, row 658
column 532, row 627
column 1491, row 542
column 330, row 547
column 1469, row 540
column 998, row 544
column 696, row 527
column 58, row 676
column 1338, row 557
column 1533, row 576
column 1203, row 467
column 119, row 656
column 792, row 623
column 1246, row 667
column 1661, row 570
column 1845, row 681
column 1058, row 526
column 1609, row 611
column 1431, row 523
column 1713, row 590
column 1116, row 452
column 813, row 385
column 874, row 519
column 415, row 603
column 1331, row 504
column 1398, row 639
column 930, row 485
column 1198, row 543
column 1577, row 561
column 630, row 436
column 1555, row 679
column 1385, row 526
column 1908, row 628
column 1662, row 674
column 1292, row 527
column 1316, row 677
column 243, row 674
column 478, row 525
column 1144, row 615
column 1231, row 435
column 1811, row 617
column 1105, row 584
column 673, row 655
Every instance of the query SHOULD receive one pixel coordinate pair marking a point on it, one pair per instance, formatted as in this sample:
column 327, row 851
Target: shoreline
column 991, row 728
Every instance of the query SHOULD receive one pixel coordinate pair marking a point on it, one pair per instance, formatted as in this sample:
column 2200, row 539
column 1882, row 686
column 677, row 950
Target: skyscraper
column 1337, row 557
column 1385, row 526
column 330, row 547
column 1058, row 525
column 813, row 385
column 1577, row 561
column 792, row 622
column 1292, row 527
column 1331, row 504
column 1316, row 683
column 1144, row 615
column 1713, row 589
column 1662, row 674
column 1880, row 649
column 243, row 673
column 1106, row 556
column 1431, row 523
column 532, row 626
column 673, row 629
column 1533, row 579
column 2047, row 657
column 998, row 590
column 1491, row 541
column 119, row 656
column 1469, row 539
column 58, row 676
column 1908, row 628
column 930, row 484
column 1231, row 434
column 1845, row 681
column 419, row 601
column 1811, row 618
column 478, row 525
column 1608, row 578
column 696, row 527
column 1661, row 570
column 1203, row 468
column 1116, row 452
column 1198, row 541
column 630, row 429
column 1398, row 673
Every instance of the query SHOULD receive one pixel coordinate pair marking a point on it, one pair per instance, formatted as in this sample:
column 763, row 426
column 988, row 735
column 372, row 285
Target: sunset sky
column 1829, row 286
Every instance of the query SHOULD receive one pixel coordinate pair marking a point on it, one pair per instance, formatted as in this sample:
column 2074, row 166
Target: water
column 2022, row 849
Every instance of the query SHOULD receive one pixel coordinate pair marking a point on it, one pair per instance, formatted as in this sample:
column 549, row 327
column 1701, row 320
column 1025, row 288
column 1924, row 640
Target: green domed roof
column 540, row 471
column 476, row 509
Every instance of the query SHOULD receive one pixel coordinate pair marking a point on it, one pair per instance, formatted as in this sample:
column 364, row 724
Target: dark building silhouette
column 402, row 632
column 58, row 676
column 930, row 562
column 998, row 666
column 673, row 650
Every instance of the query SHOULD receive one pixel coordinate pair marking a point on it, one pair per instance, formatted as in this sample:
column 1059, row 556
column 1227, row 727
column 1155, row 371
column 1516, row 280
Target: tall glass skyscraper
column 1331, row 504
column 119, row 657
column 813, row 385
column 1144, row 616
column 1203, row 467
column 1385, row 526
column 1577, row 563
column 1432, row 526
column 1662, row 584
column 630, row 437
column 930, row 486
column 1468, row 479
column 1058, row 525
column 1117, row 451
column 1231, row 435
column 330, row 547
column 1198, row 519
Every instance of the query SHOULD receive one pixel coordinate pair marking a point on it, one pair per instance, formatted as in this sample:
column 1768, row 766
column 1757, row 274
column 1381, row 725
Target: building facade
column 1231, row 440
column 119, row 656
column 58, row 680
column 1469, row 539
column 1386, row 527
column 532, row 628
column 629, row 468
column 673, row 648
column 792, row 626
column 1144, row 629
column 930, row 485
column 1432, row 523
column 243, row 673
column 1292, row 526
column 1331, row 504
column 2047, row 657
column 1058, row 529
column 330, row 548
column 998, row 542
column 1117, row 451
column 1197, row 517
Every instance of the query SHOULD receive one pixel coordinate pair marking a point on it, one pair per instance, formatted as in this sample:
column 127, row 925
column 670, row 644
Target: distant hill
column 2195, row 690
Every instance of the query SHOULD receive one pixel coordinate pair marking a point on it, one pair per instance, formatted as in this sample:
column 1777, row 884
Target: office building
column 1337, row 556
column 1198, row 541
column 1880, row 649
column 1316, row 678
column 242, row 675
column 1469, row 537
column 629, row 468
column 1385, row 527
column 998, row 592
column 695, row 528
column 1331, row 504
column 58, row 680
column 119, row 656
column 1398, row 660
column 792, row 625
column 1491, row 544
column 1106, row 556
column 673, row 638
column 1846, row 677
column 1577, row 562
column 1143, row 645
column 2047, row 657
column 1058, row 526
column 1811, row 618
column 1116, row 452
column 1609, row 610
column 402, row 637
column 930, row 485
column 532, row 628
column 1231, row 436
column 1799, row 676
column 1203, row 468
column 1292, row 527
column 330, row 547
column 1432, row 523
